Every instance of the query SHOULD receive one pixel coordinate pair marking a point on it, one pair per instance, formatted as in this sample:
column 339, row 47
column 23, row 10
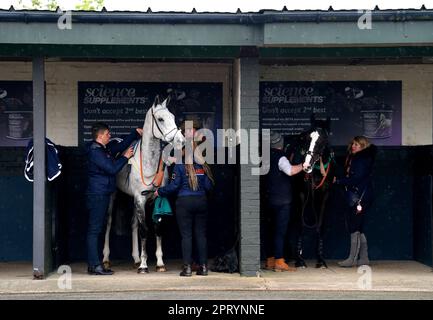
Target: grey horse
column 140, row 179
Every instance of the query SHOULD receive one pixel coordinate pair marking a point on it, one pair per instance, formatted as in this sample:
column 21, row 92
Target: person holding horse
column 102, row 169
column 191, row 181
column 357, row 182
column 279, row 196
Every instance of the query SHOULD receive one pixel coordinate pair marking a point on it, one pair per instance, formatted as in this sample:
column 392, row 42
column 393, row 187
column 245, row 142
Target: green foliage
column 38, row 4
column 87, row 5
column 90, row 5
column 52, row 5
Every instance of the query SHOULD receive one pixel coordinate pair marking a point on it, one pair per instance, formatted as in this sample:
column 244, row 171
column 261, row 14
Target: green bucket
column 162, row 208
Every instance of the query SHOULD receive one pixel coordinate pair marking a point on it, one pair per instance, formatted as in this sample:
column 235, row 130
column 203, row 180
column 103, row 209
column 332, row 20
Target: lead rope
column 158, row 174
column 303, row 211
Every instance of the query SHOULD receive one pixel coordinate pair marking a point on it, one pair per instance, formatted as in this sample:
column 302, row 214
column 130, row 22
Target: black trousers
column 191, row 215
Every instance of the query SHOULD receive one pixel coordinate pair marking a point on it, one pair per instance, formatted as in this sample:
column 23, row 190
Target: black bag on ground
column 228, row 262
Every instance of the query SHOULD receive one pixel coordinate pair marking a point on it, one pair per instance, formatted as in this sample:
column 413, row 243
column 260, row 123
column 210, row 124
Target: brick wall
column 249, row 184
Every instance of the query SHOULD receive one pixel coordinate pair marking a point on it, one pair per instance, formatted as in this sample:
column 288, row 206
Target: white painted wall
column 417, row 87
column 62, row 86
column 62, row 91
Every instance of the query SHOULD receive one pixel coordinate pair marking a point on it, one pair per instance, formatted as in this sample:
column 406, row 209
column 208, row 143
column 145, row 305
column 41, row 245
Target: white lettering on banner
column 92, row 111
column 291, row 95
column 104, row 95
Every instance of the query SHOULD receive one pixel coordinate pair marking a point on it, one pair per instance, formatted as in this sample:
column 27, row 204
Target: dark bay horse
column 312, row 187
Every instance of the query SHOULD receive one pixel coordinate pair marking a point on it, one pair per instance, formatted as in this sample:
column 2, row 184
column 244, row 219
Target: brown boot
column 280, row 265
column 270, row 263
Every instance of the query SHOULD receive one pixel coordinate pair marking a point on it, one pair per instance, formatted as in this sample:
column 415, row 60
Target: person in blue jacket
column 191, row 182
column 357, row 180
column 103, row 165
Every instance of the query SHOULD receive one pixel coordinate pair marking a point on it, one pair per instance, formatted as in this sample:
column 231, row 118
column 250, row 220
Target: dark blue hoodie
column 103, row 166
column 180, row 183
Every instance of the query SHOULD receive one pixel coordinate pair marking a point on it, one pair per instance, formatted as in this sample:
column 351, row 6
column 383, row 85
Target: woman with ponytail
column 191, row 181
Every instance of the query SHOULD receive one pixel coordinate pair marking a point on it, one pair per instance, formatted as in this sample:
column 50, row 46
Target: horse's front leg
column 135, row 251
column 321, row 263
column 300, row 261
column 160, row 267
column 142, row 229
column 106, row 252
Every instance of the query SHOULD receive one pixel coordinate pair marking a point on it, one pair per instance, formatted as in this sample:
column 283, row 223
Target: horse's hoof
column 300, row 264
column 321, row 265
column 161, row 269
column 143, row 270
column 107, row 264
column 136, row 265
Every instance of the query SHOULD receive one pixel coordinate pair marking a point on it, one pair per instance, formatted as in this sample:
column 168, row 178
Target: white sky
column 244, row 5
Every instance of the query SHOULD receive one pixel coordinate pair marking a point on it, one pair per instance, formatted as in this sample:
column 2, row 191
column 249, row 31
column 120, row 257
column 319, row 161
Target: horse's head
column 315, row 140
column 164, row 124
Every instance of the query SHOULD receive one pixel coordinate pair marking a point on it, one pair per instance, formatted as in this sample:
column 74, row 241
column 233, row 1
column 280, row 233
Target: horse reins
column 323, row 178
column 159, row 174
column 314, row 187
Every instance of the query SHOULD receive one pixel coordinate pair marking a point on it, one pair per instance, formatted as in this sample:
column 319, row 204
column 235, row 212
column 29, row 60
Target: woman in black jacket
column 357, row 182
column 191, row 181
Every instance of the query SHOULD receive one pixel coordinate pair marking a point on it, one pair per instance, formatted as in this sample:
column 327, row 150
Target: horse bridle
column 315, row 156
column 155, row 122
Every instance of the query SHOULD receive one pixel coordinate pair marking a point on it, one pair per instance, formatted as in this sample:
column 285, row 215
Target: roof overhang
column 212, row 35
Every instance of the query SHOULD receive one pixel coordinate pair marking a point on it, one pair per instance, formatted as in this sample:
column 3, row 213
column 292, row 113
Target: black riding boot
column 202, row 270
column 320, row 260
column 186, row 272
column 300, row 262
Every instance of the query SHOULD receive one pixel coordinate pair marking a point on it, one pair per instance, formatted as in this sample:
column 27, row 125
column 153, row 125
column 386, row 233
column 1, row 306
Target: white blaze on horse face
column 306, row 165
column 165, row 127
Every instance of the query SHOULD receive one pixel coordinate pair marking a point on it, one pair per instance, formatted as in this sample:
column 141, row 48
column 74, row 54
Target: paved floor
column 383, row 280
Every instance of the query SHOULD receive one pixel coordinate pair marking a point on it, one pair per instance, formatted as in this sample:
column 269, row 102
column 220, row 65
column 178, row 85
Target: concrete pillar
column 40, row 256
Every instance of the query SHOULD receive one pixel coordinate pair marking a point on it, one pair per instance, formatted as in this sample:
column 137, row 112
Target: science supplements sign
column 16, row 113
column 123, row 105
column 369, row 108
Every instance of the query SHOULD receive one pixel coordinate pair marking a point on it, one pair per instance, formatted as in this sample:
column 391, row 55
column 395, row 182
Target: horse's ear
column 166, row 102
column 156, row 101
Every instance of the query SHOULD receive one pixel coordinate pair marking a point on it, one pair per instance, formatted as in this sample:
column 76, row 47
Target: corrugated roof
column 284, row 9
column 260, row 17
column 239, row 11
